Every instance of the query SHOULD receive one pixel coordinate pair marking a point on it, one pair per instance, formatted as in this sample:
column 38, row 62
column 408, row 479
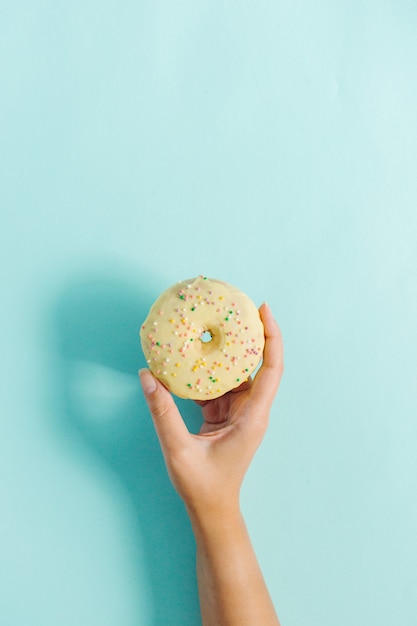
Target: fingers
column 267, row 380
column 169, row 425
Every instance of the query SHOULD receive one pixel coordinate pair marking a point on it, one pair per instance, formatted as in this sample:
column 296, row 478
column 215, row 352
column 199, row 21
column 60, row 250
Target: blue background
column 268, row 144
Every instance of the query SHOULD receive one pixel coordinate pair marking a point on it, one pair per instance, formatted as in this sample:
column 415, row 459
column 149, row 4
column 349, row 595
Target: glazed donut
column 202, row 338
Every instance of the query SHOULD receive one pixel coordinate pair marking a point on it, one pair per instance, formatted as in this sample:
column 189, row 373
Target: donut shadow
column 96, row 319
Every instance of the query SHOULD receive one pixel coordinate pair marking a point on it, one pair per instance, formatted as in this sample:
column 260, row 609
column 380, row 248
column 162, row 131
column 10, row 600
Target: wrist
column 216, row 518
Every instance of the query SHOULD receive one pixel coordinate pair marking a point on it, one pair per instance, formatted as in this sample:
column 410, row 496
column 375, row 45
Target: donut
column 202, row 338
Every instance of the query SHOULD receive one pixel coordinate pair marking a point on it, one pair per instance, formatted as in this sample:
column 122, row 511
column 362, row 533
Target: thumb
column 169, row 425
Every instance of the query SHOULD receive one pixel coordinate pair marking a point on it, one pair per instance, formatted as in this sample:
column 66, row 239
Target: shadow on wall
column 97, row 321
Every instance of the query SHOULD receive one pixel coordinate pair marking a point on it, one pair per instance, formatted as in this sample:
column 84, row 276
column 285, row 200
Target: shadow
column 96, row 320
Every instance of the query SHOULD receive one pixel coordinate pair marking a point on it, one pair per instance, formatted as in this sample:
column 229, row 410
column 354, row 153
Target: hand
column 207, row 469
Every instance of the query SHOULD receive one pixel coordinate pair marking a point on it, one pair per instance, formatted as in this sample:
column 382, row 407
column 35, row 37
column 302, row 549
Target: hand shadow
column 97, row 320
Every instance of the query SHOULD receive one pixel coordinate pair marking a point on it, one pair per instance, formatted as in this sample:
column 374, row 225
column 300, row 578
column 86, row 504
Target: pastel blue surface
column 268, row 144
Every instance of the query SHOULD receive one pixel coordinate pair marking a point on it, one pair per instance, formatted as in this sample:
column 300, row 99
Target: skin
column 207, row 470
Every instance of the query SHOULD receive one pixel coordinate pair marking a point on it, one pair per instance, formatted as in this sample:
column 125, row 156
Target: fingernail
column 148, row 382
column 267, row 305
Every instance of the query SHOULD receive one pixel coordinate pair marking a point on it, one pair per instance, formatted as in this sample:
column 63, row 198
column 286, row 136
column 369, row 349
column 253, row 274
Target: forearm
column 231, row 586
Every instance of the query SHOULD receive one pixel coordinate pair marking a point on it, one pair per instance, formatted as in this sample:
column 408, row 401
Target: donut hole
column 206, row 336
column 211, row 339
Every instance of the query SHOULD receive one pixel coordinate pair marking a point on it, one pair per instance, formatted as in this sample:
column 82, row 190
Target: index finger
column 267, row 380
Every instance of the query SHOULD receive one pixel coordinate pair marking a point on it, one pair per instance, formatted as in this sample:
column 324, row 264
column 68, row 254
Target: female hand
column 207, row 469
